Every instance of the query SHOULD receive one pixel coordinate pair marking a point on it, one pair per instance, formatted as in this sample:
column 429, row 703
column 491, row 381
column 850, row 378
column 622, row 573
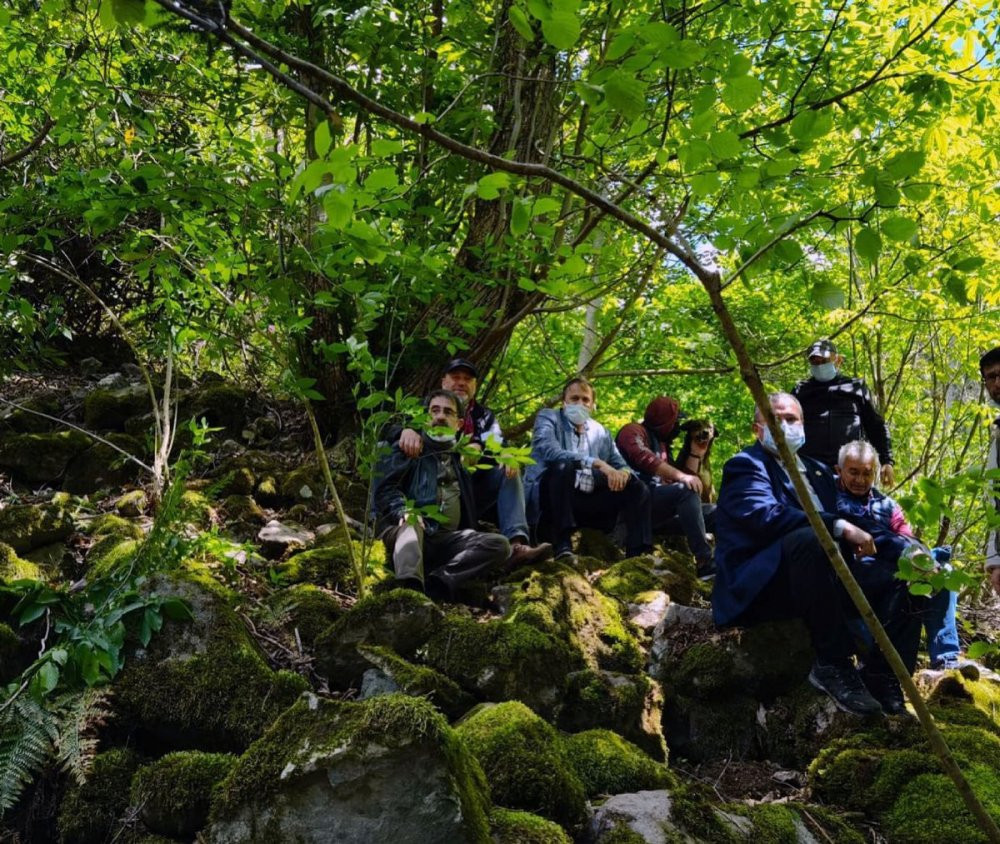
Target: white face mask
column 795, row 437
column 577, row 414
column 823, row 371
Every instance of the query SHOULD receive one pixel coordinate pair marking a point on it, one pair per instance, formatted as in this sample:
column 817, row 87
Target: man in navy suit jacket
column 770, row 565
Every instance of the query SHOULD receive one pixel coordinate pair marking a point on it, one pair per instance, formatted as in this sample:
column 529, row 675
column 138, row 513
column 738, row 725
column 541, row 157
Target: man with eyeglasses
column 675, row 495
column 989, row 368
column 425, row 511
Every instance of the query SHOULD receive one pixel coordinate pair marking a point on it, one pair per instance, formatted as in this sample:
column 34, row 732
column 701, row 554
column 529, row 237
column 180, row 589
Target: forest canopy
column 331, row 199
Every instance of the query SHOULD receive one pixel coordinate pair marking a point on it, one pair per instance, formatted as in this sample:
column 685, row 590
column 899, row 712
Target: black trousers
column 565, row 508
column 805, row 586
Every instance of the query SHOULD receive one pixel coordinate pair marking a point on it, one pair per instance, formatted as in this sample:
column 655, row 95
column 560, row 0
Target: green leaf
column 660, row 34
column 520, row 217
column 519, row 20
column 967, row 265
column 619, row 46
column 539, row 9
column 725, row 144
column 625, row 94
column 176, row 610
column 683, row 55
column 977, row 650
column 704, row 184
column 956, row 287
column 867, row 244
column 886, row 195
column 339, row 207
column 917, row 191
column 383, row 178
column 808, row 125
column 899, row 229
column 489, row 186
column 322, row 139
column 127, row 11
column 742, row 92
column 48, row 676
column 921, row 589
column 545, row 205
column 561, row 30
column 827, row 295
column 905, row 164
column 382, row 148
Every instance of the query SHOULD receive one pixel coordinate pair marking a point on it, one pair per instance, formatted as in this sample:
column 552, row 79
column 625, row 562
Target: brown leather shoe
column 524, row 555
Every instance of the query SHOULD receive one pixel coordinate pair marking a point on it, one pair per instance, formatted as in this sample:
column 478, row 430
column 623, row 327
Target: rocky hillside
column 255, row 698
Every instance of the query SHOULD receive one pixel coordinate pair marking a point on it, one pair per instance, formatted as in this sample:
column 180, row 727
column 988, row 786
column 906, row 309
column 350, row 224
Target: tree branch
column 36, row 142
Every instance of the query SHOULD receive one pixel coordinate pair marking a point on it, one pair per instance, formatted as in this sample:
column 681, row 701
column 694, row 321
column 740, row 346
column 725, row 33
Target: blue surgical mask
column 577, row 414
column 823, row 371
column 795, row 436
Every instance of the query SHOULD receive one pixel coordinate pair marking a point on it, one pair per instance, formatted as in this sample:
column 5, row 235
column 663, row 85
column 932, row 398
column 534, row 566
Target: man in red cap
column 499, row 485
column 675, row 494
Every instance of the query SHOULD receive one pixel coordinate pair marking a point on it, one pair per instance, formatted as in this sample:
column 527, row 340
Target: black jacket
column 835, row 413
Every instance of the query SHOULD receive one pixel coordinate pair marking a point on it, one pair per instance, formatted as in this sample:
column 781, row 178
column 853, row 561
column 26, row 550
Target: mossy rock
column 329, row 566
column 111, row 524
column 243, row 508
column 712, row 729
column 110, row 553
column 503, row 660
column 103, row 467
column 23, row 421
column 307, row 609
column 628, row 704
column 237, row 481
column 13, row 659
column 41, row 458
column 560, row 601
column 174, row 793
column 798, row 725
column 202, row 683
column 510, row 826
column 303, row 484
column 132, row 504
column 525, row 762
column 90, row 813
column 221, row 405
column 419, row 681
column 629, row 579
column 197, row 509
column 608, row 764
column 401, row 619
column 107, row 410
column 386, row 769
column 27, row 526
column 12, row 567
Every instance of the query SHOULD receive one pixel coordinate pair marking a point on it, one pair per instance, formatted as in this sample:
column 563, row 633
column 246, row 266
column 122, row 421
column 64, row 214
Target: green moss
column 27, row 526
column 197, row 509
column 693, row 810
column 41, row 458
column 513, row 827
column 608, row 764
column 303, row 484
column 174, row 793
column 238, row 481
column 13, row 567
column 267, row 488
column 89, row 813
column 133, row 503
column 329, row 565
column 108, row 409
column 111, row 524
column 243, row 508
column 313, row 728
column 622, row 834
column 419, row 681
column 525, row 762
column 222, row 405
column 706, row 668
column 628, row 579
column 10, row 647
column 306, row 608
column 110, row 553
column 561, row 602
column 502, row 660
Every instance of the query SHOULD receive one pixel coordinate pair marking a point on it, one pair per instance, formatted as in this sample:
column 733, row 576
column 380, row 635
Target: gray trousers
column 448, row 557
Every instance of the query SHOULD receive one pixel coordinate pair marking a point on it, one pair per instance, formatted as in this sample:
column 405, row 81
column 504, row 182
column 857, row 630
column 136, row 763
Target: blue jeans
column 940, row 626
column 491, row 487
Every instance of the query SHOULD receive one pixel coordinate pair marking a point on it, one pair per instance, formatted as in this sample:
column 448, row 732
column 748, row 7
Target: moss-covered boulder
column 305, row 611
column 22, row 420
column 110, row 553
column 239, row 480
column 111, row 524
column 197, row 509
column 221, row 405
column 401, row 619
column 305, row 483
column 713, row 729
column 419, row 681
column 628, row 704
column 561, row 602
column 41, row 458
column 242, row 510
column 13, row 658
column 525, row 762
column 27, row 526
column 329, row 565
column 386, row 769
column 174, row 794
column 503, row 660
column 12, row 567
column 608, row 764
column 201, row 683
column 108, row 410
column 510, row 826
column 90, row 813
column 103, row 467
column 631, row 580
column 132, row 503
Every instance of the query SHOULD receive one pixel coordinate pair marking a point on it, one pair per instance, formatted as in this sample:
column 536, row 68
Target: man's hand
column 864, row 545
column 411, row 443
column 994, row 575
column 692, row 482
column 617, row 478
column 887, row 476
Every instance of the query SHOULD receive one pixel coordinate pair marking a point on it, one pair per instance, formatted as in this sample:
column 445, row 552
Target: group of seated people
column 767, row 561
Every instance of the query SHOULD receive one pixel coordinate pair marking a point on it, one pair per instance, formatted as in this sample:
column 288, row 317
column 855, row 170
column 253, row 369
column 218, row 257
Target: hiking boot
column 522, row 554
column 885, row 689
column 843, row 684
column 705, row 569
column 966, row 667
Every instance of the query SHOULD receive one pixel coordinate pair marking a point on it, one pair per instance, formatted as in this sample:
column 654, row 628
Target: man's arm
column 633, row 443
column 874, row 426
column 546, row 446
column 389, row 497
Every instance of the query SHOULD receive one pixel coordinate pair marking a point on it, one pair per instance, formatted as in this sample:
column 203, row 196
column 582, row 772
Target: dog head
column 700, row 431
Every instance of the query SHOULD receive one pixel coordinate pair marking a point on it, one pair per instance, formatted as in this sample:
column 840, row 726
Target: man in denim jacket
column 579, row 479
column 436, row 547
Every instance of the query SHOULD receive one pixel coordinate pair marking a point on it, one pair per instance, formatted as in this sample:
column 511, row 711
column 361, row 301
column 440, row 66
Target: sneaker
column 705, row 569
column 524, row 555
column 885, row 689
column 843, row 684
column 966, row 667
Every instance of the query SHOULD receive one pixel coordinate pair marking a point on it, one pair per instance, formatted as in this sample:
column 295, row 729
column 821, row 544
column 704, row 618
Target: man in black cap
column 838, row 410
column 499, row 485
